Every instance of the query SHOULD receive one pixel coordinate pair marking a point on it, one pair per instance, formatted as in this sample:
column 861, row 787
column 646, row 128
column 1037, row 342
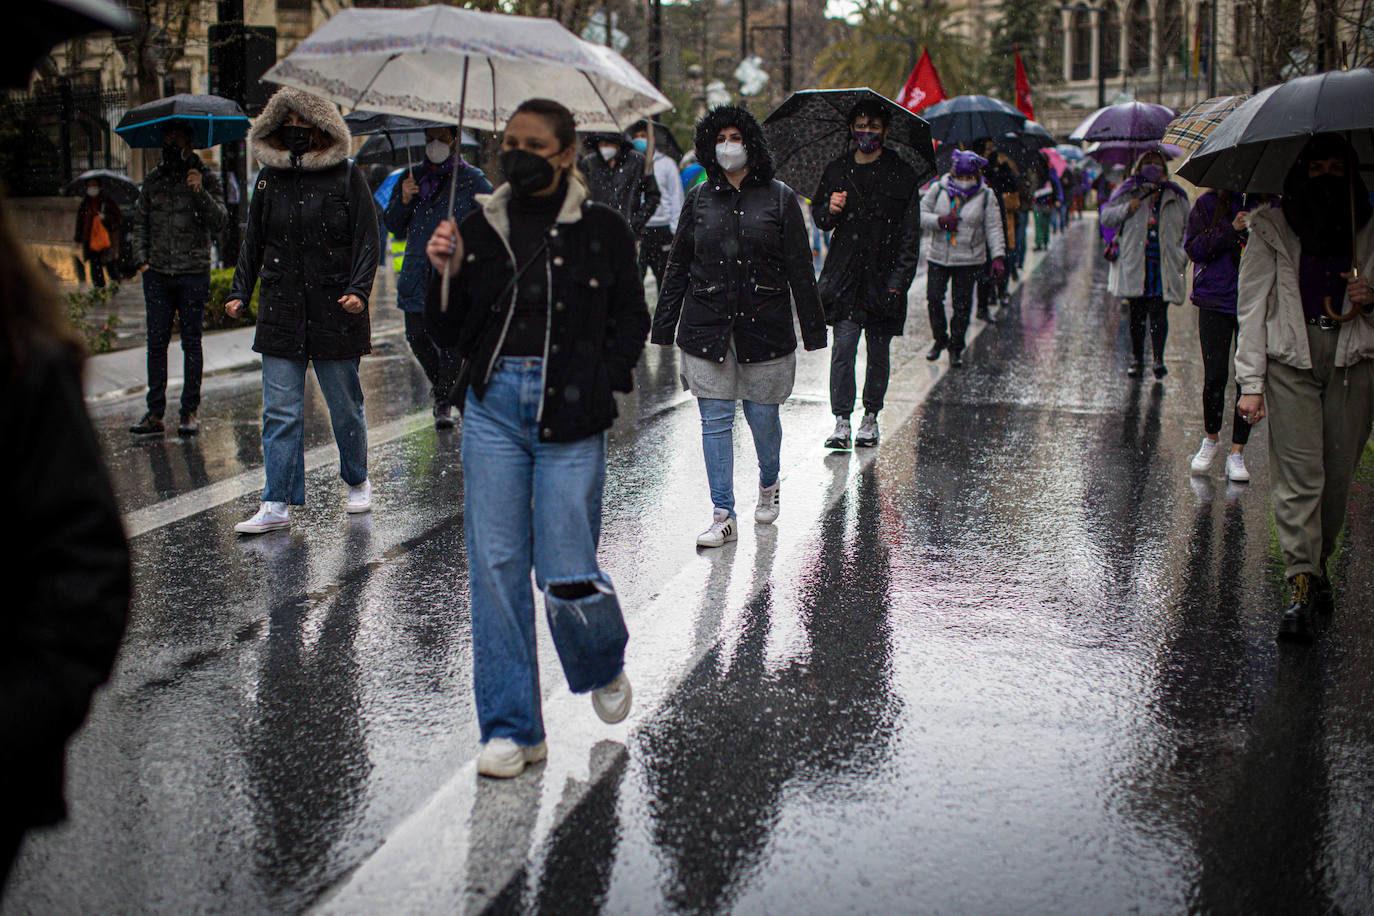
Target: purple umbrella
column 1126, row 152
column 1138, row 121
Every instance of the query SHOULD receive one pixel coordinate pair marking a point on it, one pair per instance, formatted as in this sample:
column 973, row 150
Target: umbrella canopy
column 966, row 118
column 34, row 27
column 213, row 120
column 811, row 129
column 116, row 184
column 1189, row 129
column 1056, row 161
column 398, row 148
column 1126, row 152
column 1070, row 152
column 1137, row 121
column 1036, row 136
column 368, row 123
column 464, row 66
column 1253, row 149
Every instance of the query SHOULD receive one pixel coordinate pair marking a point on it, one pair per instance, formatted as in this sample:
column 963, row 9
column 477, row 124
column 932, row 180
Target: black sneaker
column 956, row 359
column 985, row 316
column 1135, row 369
column 150, row 425
column 189, row 425
column 1161, row 370
column 840, row 440
column 935, row 350
column 1296, row 623
column 443, row 416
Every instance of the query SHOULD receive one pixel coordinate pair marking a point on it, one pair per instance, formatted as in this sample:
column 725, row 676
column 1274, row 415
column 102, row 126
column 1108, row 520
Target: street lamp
column 1101, row 37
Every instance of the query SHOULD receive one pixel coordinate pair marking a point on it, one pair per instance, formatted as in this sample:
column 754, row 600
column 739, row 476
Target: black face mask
column 296, row 138
column 528, row 173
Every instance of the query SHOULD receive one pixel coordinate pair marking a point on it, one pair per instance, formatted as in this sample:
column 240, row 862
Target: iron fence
column 49, row 137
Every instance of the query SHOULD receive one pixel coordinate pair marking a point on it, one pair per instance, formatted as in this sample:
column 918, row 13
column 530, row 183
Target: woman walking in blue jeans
column 312, row 242
column 547, row 308
column 741, row 245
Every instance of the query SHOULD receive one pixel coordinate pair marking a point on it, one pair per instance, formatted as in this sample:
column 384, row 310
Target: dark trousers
column 1156, row 311
column 95, row 265
column 844, row 350
column 1217, row 331
column 179, row 296
column 991, row 291
column 654, row 246
column 961, row 281
column 440, row 363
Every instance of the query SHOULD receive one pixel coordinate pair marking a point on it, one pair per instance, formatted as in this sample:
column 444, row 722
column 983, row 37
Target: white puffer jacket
column 979, row 237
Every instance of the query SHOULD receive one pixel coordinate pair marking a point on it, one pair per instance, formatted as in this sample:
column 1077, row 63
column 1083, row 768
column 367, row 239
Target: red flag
column 1023, row 95
column 922, row 87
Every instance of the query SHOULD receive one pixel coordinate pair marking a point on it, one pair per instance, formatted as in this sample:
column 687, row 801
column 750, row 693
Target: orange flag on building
column 923, row 87
column 1023, row 93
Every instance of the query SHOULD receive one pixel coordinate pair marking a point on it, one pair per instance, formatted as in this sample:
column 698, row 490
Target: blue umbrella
column 383, row 195
column 211, row 119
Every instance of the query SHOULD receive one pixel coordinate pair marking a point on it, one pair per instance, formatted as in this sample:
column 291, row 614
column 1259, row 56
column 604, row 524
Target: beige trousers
column 1319, row 422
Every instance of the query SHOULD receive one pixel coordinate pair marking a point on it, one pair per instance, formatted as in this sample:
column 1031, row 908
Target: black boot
column 443, row 415
column 150, row 425
column 935, row 350
column 985, row 315
column 1323, row 598
column 1161, row 370
column 1135, row 369
column 189, row 425
column 956, row 359
column 1296, row 623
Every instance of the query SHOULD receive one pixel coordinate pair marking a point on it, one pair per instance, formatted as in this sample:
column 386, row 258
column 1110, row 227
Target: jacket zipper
column 548, row 333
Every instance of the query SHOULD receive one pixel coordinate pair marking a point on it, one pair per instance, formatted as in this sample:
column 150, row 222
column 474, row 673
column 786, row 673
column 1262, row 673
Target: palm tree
column 862, row 60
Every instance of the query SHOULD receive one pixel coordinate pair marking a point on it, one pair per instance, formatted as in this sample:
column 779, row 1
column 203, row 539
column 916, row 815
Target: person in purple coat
column 1213, row 240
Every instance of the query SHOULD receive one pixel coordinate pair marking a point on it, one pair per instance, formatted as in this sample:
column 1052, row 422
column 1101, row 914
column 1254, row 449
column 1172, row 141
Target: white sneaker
column 1235, row 468
column 502, row 758
column 270, row 517
column 867, row 436
column 360, row 498
column 612, row 702
column 769, row 506
column 723, row 528
column 839, row 439
column 1202, row 461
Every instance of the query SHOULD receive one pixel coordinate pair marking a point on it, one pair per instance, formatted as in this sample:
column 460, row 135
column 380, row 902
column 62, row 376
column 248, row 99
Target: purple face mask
column 1152, row 173
column 869, row 141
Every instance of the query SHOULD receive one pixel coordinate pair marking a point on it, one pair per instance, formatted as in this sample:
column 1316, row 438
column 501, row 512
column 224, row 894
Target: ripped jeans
column 531, row 504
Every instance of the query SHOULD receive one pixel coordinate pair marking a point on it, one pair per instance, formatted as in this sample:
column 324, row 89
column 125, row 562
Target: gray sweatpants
column 1319, row 422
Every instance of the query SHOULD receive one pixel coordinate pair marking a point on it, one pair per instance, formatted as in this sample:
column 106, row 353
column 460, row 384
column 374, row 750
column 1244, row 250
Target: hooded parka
column 737, row 254
column 1126, row 276
column 597, row 319
column 311, row 238
column 624, row 187
column 876, row 243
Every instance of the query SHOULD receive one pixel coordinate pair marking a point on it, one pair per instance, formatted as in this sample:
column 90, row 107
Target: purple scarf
column 1134, row 183
column 963, row 193
column 433, row 176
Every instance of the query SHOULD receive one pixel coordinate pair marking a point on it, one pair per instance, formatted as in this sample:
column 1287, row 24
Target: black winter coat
column 66, row 580
column 172, row 226
column 876, row 243
column 624, row 187
column 597, row 316
column 311, row 238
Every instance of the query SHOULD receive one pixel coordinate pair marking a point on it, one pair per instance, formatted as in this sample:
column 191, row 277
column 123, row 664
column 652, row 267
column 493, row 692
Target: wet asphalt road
column 1015, row 660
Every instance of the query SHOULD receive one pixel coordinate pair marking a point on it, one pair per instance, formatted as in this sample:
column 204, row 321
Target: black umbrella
column 115, row 184
column 1253, row 149
column 967, row 118
column 400, row 147
column 811, row 129
column 367, row 123
column 34, row 27
column 211, row 119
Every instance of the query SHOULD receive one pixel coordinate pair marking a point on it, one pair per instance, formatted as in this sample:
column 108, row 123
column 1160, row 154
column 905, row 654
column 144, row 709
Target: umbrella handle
column 453, row 178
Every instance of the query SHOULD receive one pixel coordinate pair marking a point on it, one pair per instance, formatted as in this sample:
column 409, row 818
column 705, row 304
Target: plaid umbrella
column 1189, row 129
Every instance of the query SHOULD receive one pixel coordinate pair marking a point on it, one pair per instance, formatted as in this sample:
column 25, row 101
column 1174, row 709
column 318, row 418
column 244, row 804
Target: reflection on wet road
column 1015, row 660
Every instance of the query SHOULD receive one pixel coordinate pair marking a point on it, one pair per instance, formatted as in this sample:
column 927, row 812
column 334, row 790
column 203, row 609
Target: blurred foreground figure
column 67, row 577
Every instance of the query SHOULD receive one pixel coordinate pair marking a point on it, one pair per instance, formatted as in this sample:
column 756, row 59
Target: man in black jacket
column 180, row 210
column 868, row 199
column 616, row 177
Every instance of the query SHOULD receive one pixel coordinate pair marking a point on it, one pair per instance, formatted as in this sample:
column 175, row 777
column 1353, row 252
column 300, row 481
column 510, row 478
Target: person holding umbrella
column 419, row 202
column 547, row 306
column 1311, row 374
column 965, row 224
column 870, row 201
column 180, row 211
column 1149, row 212
column 741, row 247
column 99, row 246
column 312, row 241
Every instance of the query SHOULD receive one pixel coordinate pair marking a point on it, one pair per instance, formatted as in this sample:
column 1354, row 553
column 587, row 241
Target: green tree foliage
column 1019, row 25
column 861, row 59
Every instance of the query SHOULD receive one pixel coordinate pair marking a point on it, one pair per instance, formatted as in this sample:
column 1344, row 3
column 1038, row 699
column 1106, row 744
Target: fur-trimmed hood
column 320, row 112
column 716, row 120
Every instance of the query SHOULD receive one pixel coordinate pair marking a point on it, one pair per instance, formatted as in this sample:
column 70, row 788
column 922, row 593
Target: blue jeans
column 1022, row 221
column 718, row 445
column 532, row 504
column 180, row 296
column 283, row 423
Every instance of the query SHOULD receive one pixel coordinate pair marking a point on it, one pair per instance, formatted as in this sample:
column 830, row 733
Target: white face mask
column 965, row 183
column 609, row 152
column 92, row 192
column 732, row 156
column 437, row 151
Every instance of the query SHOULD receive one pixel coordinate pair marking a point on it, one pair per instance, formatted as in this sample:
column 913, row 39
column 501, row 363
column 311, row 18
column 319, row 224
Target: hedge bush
column 81, row 305
column 215, row 318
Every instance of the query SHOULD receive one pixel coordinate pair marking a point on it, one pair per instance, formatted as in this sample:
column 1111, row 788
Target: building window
column 1138, row 36
column 1111, row 40
column 1242, row 39
column 1054, row 50
column 1171, row 38
column 1082, row 45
